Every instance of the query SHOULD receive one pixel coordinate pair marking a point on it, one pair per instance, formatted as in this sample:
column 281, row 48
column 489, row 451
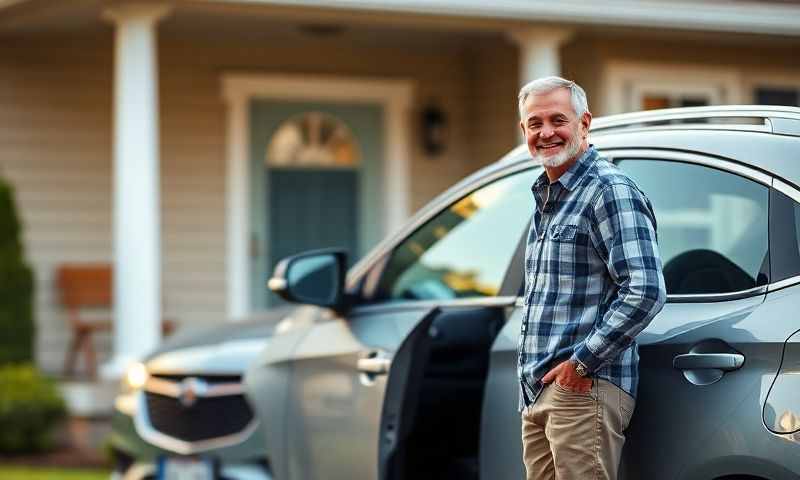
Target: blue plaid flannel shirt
column 593, row 276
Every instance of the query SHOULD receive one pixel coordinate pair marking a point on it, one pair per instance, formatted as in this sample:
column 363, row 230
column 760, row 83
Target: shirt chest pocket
column 563, row 233
column 567, row 249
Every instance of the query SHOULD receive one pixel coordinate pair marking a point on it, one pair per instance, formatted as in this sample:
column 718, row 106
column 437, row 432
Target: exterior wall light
column 434, row 130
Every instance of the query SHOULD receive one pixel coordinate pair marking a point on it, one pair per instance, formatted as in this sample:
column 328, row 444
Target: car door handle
column 374, row 365
column 717, row 361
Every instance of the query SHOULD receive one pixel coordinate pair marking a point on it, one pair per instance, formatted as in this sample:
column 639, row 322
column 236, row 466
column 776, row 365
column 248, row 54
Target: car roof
column 766, row 138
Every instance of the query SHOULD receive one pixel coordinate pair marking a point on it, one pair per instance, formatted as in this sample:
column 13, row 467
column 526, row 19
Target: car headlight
column 136, row 376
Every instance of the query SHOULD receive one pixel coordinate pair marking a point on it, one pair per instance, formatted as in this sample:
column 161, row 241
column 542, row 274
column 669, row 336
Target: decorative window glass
column 313, row 140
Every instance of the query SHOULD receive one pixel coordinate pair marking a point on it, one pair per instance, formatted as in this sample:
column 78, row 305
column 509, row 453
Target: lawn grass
column 47, row 473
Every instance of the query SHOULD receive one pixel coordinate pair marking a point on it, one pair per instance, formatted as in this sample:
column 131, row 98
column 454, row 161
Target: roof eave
column 740, row 17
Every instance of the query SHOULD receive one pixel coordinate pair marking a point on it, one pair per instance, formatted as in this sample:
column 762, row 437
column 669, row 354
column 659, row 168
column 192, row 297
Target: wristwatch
column 580, row 369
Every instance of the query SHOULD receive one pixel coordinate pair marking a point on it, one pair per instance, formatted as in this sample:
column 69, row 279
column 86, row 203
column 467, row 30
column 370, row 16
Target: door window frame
column 364, row 277
column 617, row 155
column 794, row 194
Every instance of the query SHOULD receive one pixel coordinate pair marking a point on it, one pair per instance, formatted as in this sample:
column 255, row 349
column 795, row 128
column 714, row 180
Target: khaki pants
column 576, row 436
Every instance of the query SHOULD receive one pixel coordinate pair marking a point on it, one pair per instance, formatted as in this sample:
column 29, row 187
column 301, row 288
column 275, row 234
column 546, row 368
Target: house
column 193, row 143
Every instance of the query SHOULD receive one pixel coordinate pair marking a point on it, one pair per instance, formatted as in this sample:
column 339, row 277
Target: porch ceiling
column 39, row 16
column 292, row 26
column 192, row 20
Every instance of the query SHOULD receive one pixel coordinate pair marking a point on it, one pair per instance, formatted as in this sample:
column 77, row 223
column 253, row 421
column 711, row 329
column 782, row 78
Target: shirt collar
column 576, row 172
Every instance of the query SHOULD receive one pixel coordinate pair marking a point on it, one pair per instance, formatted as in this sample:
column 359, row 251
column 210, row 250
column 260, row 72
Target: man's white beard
column 570, row 150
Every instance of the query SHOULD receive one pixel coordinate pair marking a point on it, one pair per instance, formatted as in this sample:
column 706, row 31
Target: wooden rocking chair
column 83, row 287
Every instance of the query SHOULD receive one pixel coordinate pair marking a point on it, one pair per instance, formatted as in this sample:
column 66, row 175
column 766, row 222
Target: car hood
column 226, row 349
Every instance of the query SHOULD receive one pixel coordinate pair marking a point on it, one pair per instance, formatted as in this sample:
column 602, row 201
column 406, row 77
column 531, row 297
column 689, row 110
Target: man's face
column 554, row 134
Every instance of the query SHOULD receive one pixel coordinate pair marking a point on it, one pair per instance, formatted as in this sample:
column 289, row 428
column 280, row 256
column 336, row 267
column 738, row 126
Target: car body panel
column 271, row 371
column 226, row 357
column 782, row 404
column 257, row 325
column 330, row 398
column 782, row 408
column 679, row 329
column 501, row 425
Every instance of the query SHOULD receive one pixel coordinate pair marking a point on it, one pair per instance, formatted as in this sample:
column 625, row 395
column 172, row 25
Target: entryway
column 316, row 181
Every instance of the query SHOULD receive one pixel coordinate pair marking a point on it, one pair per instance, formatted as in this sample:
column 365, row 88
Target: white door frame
column 395, row 96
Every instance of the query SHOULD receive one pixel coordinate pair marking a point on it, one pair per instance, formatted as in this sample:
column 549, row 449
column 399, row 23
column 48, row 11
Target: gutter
column 710, row 15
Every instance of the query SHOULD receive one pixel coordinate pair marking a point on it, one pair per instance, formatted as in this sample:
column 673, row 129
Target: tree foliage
column 17, row 329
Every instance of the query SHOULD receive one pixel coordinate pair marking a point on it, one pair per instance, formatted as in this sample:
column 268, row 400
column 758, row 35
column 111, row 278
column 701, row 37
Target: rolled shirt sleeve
column 624, row 234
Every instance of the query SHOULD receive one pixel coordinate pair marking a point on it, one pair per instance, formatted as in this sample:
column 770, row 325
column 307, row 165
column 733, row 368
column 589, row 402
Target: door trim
column 238, row 89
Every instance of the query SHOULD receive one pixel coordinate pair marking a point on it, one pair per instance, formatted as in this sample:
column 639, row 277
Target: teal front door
column 316, row 182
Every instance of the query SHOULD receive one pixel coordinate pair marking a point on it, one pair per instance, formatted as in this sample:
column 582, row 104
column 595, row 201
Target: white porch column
column 538, row 48
column 136, row 216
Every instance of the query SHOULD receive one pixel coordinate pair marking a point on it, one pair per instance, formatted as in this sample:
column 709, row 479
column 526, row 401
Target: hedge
column 30, row 409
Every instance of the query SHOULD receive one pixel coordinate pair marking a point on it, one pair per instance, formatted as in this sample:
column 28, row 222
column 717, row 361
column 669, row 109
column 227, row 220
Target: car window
column 784, row 231
column 463, row 251
column 712, row 225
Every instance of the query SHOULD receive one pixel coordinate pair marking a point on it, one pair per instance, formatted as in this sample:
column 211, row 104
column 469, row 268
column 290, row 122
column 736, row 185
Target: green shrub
column 30, row 408
column 16, row 286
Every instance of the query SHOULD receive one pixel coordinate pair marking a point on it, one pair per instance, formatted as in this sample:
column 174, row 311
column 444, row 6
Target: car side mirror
column 315, row 277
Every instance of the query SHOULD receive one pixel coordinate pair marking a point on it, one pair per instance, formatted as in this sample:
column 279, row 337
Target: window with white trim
column 633, row 86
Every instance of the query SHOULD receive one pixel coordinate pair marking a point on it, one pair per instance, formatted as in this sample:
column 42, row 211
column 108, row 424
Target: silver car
column 182, row 412
column 405, row 367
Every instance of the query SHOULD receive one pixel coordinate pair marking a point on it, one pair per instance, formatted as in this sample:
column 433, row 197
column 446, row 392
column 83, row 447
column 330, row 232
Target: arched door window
column 313, row 140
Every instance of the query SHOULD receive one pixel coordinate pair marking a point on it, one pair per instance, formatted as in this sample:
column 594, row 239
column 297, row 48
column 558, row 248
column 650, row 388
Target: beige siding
column 193, row 194
column 494, row 125
column 54, row 147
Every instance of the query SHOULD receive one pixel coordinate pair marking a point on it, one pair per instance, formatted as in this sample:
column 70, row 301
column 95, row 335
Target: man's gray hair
column 545, row 85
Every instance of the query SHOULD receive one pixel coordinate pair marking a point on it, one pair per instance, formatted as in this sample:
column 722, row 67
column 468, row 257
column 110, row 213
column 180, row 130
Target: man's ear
column 522, row 127
column 586, row 122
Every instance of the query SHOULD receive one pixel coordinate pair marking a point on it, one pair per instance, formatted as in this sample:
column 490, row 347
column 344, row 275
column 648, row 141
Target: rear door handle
column 374, row 365
column 701, row 361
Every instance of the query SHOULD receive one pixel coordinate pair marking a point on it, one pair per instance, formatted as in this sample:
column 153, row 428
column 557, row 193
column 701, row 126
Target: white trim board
column 395, row 96
column 742, row 16
column 621, row 80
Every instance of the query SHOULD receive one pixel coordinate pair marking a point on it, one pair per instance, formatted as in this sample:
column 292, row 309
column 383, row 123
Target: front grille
column 208, row 378
column 208, row 418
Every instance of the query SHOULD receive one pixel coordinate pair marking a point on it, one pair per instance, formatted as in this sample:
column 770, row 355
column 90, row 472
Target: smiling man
column 593, row 281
